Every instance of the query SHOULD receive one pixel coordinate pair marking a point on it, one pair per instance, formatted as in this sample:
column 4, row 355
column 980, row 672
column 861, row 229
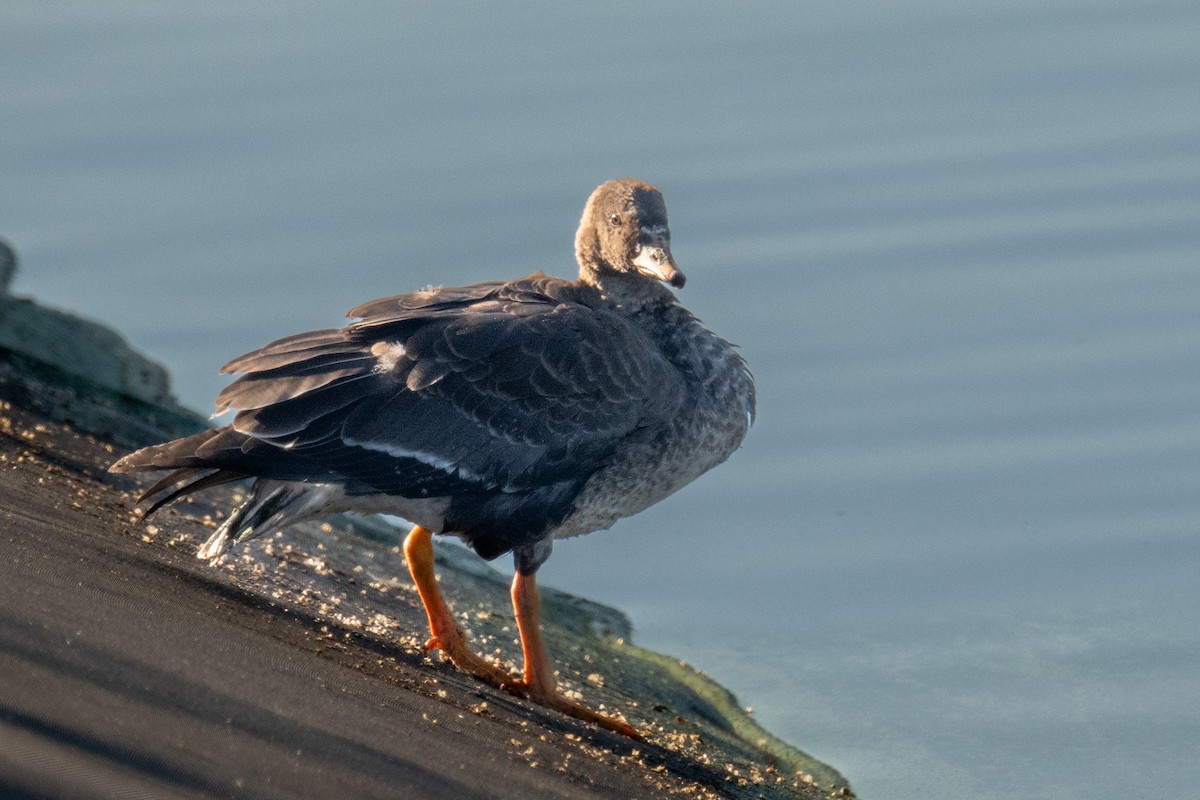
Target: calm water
column 959, row 243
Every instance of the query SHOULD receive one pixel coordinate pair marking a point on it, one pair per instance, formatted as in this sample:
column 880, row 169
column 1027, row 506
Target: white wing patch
column 437, row 462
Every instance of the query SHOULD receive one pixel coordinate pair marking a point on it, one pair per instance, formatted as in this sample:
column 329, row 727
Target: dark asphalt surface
column 128, row 669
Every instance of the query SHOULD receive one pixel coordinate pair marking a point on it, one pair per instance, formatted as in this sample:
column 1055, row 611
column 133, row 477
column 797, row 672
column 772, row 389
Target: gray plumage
column 508, row 413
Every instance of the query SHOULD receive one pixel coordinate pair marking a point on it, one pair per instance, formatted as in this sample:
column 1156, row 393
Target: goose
column 507, row 413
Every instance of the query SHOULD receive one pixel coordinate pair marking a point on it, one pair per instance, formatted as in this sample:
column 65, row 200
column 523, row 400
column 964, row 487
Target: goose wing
column 495, row 386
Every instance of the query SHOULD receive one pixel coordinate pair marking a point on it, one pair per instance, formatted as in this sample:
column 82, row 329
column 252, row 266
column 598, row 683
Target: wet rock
column 348, row 578
column 8, row 266
column 83, row 372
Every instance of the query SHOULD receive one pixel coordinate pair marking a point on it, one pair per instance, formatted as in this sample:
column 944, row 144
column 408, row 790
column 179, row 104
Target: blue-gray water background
column 959, row 243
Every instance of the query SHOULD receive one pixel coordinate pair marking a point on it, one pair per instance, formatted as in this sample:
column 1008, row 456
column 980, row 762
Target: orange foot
column 539, row 684
column 552, row 699
column 453, row 644
column 454, row 647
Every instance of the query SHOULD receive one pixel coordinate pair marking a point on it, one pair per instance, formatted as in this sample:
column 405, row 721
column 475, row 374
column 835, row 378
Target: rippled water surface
column 958, row 555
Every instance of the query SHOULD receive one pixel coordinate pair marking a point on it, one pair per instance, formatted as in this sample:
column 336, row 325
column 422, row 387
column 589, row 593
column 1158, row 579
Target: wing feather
column 286, row 351
column 297, row 417
column 265, row 387
column 505, row 386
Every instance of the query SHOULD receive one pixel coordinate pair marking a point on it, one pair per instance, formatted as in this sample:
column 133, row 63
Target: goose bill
column 655, row 261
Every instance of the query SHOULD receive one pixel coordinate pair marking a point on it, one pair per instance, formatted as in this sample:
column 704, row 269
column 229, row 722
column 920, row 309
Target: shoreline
column 296, row 667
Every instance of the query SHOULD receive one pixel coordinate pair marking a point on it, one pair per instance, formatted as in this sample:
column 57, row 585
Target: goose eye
column 614, row 219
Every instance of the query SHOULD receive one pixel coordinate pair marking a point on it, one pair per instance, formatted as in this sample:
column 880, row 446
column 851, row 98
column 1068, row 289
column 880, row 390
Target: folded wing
column 493, row 387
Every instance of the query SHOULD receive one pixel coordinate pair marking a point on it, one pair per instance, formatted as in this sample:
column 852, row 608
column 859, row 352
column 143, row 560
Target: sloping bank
column 296, row 667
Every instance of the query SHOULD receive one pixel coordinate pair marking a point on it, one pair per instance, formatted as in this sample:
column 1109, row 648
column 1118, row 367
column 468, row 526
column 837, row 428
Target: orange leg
column 445, row 635
column 539, row 684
